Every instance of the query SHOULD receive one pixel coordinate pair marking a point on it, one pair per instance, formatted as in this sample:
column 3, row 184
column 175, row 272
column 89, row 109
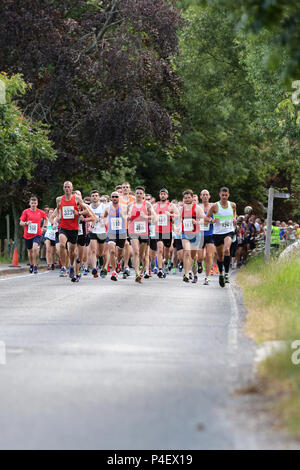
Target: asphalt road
column 105, row 365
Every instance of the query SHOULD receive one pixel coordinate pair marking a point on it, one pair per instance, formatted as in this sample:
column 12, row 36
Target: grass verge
column 272, row 299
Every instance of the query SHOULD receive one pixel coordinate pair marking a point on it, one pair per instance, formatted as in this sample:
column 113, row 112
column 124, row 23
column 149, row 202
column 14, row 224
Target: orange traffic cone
column 15, row 260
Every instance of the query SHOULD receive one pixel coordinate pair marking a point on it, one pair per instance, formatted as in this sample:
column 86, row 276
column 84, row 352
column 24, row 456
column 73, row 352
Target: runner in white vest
column 224, row 213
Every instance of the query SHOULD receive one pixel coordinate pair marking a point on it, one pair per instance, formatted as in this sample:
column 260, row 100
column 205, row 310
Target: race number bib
column 116, row 223
column 68, row 212
column 33, row 229
column 188, row 225
column 152, row 230
column 139, row 227
column 163, row 220
column 51, row 235
column 204, row 227
column 226, row 224
column 80, row 230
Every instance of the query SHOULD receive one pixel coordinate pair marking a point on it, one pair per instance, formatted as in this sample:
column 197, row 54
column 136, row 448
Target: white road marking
column 25, row 275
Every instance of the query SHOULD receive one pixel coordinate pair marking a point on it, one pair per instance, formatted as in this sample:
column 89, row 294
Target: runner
column 224, row 213
column 208, row 247
column 165, row 211
column 140, row 213
column 68, row 210
column 126, row 199
column 31, row 221
column 97, row 232
column 117, row 232
column 50, row 241
column 191, row 216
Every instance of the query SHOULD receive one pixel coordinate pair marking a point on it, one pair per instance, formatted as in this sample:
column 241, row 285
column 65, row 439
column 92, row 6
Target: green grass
column 5, row 259
column 272, row 298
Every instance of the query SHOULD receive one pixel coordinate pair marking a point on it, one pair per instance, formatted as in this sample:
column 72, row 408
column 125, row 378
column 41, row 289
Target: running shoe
column 195, row 280
column 205, row 281
column 174, row 271
column 31, row 269
column 85, row 272
column 212, row 272
column 118, row 268
column 170, row 264
column 180, row 267
column 103, row 273
column 74, row 278
column 63, row 272
column 114, row 276
column 71, row 272
column 52, row 266
column 49, row 267
column 221, row 280
column 35, row 270
column 227, row 278
column 200, row 268
column 150, row 273
column 155, row 270
column 95, row 272
column 190, row 275
column 138, row 278
column 127, row 271
column 146, row 275
column 186, row 278
column 216, row 269
column 77, row 278
column 160, row 273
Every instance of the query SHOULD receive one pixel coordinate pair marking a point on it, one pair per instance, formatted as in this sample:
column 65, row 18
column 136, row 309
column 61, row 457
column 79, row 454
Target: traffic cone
column 15, row 260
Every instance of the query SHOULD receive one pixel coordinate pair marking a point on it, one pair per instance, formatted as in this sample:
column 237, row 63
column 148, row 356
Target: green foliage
column 22, row 143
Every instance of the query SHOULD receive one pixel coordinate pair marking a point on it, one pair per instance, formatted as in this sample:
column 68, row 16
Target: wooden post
column 269, row 225
column 5, row 247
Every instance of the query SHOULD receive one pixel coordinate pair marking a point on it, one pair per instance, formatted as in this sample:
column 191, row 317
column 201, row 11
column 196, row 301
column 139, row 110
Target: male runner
column 191, row 216
column 208, row 248
column 31, row 219
column 69, row 212
column 224, row 213
column 140, row 213
column 116, row 232
column 165, row 210
column 97, row 232
column 126, row 199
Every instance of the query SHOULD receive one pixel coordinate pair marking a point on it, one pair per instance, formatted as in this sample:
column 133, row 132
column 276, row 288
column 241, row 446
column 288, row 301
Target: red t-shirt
column 34, row 229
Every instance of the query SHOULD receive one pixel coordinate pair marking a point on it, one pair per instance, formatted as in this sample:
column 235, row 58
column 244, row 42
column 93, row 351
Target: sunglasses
column 115, row 196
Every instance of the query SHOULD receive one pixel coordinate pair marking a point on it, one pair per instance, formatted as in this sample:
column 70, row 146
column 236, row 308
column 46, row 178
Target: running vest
column 99, row 212
column 207, row 229
column 116, row 222
column 68, row 220
column 126, row 204
column 138, row 224
column 225, row 222
column 163, row 224
column 187, row 216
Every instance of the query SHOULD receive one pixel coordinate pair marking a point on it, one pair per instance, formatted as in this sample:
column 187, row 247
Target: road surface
column 105, row 365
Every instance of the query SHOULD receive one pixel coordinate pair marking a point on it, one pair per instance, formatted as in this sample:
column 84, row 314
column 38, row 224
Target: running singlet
column 139, row 225
column 207, row 229
column 68, row 220
column 50, row 233
column 34, row 229
column 187, row 220
column 163, row 224
column 125, row 204
column 225, row 223
column 116, row 222
column 99, row 212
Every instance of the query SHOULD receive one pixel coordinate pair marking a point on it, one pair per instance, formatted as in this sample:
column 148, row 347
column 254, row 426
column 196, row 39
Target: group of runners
column 133, row 229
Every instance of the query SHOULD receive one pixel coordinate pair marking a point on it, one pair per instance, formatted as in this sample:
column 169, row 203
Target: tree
column 23, row 144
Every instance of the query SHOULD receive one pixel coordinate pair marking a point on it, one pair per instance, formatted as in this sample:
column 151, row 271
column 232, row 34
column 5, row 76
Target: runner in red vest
column 140, row 213
column 192, row 217
column 68, row 210
column 165, row 210
column 31, row 221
